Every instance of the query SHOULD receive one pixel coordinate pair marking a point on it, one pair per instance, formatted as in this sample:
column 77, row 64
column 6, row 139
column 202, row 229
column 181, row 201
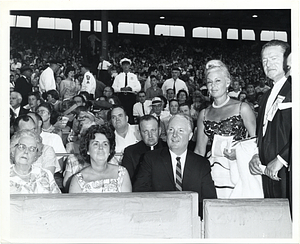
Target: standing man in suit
column 176, row 168
column 274, row 124
column 133, row 154
column 23, row 84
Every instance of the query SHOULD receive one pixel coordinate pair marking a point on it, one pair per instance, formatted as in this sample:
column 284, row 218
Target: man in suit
column 133, row 154
column 15, row 104
column 274, row 124
column 23, row 84
column 176, row 168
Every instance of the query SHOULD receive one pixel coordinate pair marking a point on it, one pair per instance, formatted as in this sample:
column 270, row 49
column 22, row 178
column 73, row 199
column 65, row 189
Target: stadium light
column 162, row 17
column 254, row 16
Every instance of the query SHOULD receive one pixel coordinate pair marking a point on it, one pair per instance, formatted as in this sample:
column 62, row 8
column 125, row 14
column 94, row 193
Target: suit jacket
column 23, row 87
column 133, row 156
column 22, row 111
column 156, row 174
column 278, row 137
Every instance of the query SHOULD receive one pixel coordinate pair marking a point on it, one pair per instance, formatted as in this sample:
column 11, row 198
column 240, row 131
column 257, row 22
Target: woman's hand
column 231, row 155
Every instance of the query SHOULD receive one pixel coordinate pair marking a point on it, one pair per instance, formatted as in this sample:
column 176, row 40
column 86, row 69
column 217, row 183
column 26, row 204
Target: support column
column 224, row 33
column 289, row 37
column 115, row 25
column 240, row 34
column 104, row 33
column 188, row 31
column 76, row 30
column 92, row 25
column 34, row 24
column 151, row 29
column 257, row 34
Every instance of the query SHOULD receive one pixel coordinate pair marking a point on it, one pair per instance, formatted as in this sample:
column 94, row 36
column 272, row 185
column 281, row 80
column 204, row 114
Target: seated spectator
column 80, row 100
column 98, row 147
column 133, row 155
column 26, row 178
column 154, row 90
column 262, row 87
column 157, row 109
column 173, row 109
column 47, row 159
column 125, row 133
column 199, row 103
column 53, row 98
column 236, row 89
column 182, row 96
column 251, row 94
column 50, row 118
column 15, row 104
column 157, row 171
column 34, row 100
column 142, row 107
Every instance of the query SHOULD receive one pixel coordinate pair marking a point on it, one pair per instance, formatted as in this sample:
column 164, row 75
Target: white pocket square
column 282, row 106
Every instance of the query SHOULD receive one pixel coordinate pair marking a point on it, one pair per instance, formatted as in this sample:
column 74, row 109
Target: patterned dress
column 104, row 185
column 40, row 181
column 220, row 166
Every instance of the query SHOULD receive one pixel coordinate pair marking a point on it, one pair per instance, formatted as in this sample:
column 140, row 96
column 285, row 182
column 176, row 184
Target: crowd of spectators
column 69, row 114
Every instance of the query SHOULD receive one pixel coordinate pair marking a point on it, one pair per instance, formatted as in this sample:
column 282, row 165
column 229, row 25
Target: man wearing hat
column 175, row 83
column 125, row 85
column 126, row 81
column 23, row 84
column 89, row 82
column 47, row 79
column 157, row 109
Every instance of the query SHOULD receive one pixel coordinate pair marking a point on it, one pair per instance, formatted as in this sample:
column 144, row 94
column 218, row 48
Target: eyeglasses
column 42, row 112
column 23, row 148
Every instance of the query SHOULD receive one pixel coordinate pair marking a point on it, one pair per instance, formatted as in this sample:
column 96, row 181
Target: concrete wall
column 98, row 216
column 247, row 218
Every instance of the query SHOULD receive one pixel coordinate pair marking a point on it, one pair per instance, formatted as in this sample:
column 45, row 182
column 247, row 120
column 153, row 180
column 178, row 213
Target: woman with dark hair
column 182, row 96
column 68, row 87
column 49, row 117
column 97, row 148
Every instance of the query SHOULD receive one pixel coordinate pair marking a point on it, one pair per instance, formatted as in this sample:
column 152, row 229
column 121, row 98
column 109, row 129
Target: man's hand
column 254, row 165
column 272, row 169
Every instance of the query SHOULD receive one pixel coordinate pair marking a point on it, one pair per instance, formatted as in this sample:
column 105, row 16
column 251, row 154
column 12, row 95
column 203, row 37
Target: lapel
column 188, row 168
column 286, row 90
column 167, row 162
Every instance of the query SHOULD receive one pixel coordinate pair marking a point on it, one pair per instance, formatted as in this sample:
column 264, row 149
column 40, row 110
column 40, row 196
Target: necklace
column 21, row 174
column 49, row 129
column 221, row 105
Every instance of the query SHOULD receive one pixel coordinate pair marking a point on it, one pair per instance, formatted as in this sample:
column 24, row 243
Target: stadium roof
column 267, row 19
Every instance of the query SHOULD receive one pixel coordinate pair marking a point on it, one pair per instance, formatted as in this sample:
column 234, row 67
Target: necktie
column 178, row 182
column 174, row 88
column 143, row 109
column 158, row 118
column 126, row 80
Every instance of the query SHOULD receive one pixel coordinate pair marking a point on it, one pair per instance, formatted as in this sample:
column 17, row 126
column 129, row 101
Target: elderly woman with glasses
column 26, row 178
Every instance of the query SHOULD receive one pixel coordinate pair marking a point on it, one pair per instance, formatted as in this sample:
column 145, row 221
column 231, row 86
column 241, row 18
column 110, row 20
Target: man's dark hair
column 23, row 117
column 53, row 94
column 185, row 104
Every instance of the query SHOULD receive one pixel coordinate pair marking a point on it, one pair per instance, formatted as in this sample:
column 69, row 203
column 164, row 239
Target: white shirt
column 274, row 92
column 132, row 81
column 138, row 110
column 88, row 83
column 179, row 85
column 130, row 138
column 47, row 81
column 104, row 65
column 53, row 140
column 174, row 162
column 234, row 94
column 16, row 111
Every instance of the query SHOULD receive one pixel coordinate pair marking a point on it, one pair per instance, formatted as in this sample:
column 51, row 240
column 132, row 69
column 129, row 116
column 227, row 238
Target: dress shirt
column 47, row 81
column 104, row 65
column 133, row 82
column 130, row 138
column 179, row 85
column 174, row 162
column 274, row 92
column 53, row 140
column 16, row 111
column 138, row 110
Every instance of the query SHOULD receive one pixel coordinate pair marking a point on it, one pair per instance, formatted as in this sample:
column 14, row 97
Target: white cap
column 156, row 100
column 125, row 60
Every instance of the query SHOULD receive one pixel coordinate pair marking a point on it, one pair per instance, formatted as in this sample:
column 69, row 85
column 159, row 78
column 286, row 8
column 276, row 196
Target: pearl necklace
column 21, row 174
column 221, row 105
